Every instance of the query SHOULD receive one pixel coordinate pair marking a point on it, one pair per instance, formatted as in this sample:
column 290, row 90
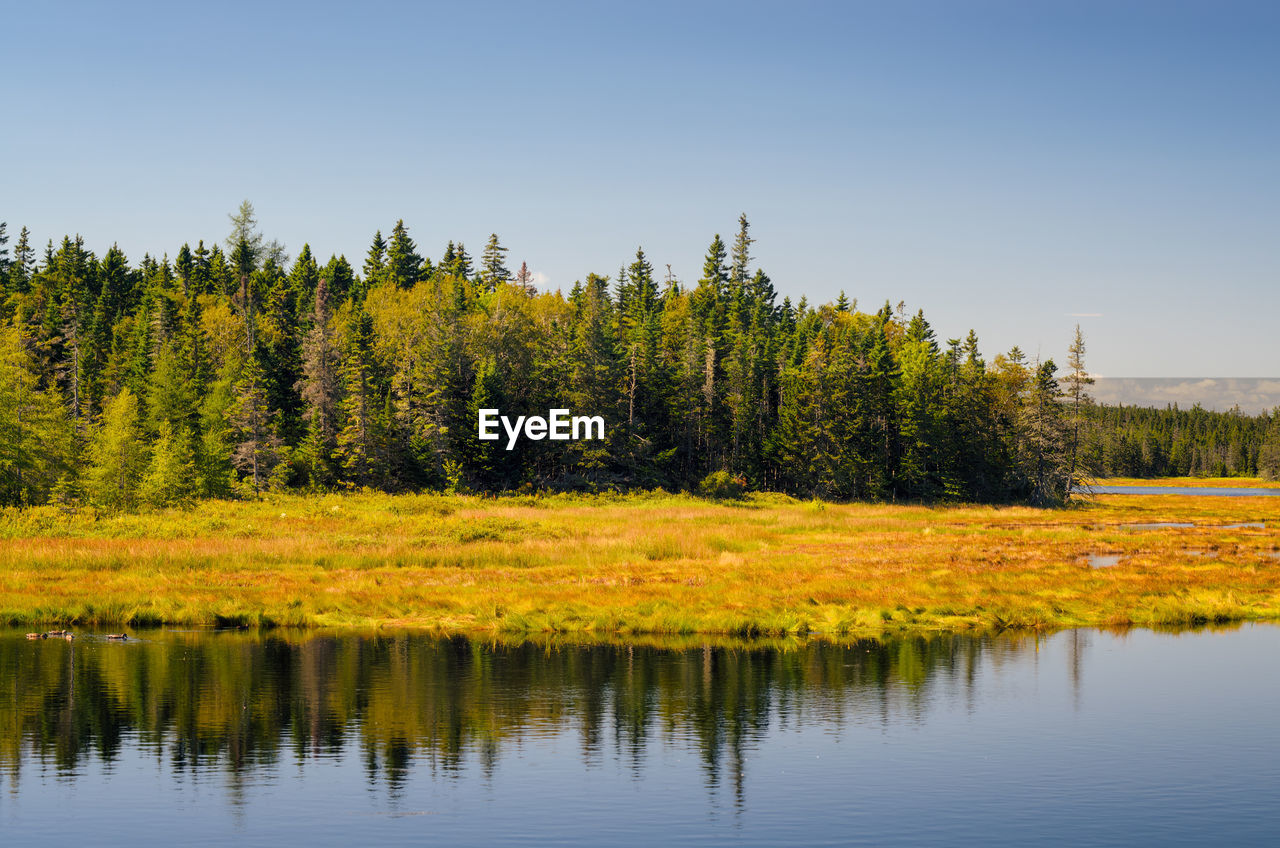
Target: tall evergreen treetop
column 404, row 265
column 493, row 269
column 375, row 261
column 714, row 275
column 4, row 259
column 741, row 252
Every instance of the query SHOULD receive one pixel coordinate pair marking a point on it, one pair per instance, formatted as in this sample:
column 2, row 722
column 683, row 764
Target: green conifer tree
column 118, row 454
column 170, row 476
column 404, row 266
column 493, row 269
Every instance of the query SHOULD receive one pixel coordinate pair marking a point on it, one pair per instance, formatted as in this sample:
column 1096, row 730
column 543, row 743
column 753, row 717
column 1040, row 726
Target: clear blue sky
column 1001, row 165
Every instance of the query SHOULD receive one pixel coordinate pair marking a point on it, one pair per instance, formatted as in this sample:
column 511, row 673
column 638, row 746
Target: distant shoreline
column 1253, row 395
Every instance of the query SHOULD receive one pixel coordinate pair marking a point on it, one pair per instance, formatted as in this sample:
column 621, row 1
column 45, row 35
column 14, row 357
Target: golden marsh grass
column 653, row 563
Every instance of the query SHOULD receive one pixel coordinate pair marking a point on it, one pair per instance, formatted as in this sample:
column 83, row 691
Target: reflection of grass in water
column 770, row 566
column 400, row 695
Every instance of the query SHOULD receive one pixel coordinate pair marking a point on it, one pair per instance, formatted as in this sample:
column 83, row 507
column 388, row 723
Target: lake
column 281, row 738
column 1212, row 491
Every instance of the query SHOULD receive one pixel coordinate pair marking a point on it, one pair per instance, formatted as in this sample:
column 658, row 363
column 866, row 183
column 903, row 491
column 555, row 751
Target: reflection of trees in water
column 232, row 702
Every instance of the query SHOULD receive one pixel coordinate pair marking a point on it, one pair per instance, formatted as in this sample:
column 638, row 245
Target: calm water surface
column 280, row 739
column 1212, row 491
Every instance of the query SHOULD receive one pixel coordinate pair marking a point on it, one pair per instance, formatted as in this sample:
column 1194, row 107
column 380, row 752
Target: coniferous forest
column 233, row 369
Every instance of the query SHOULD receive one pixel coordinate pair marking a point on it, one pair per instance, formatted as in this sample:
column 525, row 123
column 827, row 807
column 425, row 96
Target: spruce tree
column 484, row 459
column 741, row 257
column 404, row 266
column 360, row 436
column 493, row 270
column 375, row 264
column 1077, row 398
column 461, row 265
column 303, row 277
column 184, row 265
column 341, row 279
column 20, row 267
column 201, row 278
column 1044, row 438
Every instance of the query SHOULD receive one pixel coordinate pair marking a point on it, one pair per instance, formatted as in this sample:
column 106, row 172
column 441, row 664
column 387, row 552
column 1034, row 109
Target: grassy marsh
column 655, row 563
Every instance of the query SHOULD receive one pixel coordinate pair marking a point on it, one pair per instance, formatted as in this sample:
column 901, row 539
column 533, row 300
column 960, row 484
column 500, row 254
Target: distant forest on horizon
column 232, row 370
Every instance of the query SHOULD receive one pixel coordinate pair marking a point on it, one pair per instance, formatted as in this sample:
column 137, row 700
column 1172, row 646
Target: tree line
column 232, row 369
column 1133, row 441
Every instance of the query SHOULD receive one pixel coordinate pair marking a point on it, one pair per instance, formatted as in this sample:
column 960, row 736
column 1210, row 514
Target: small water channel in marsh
column 282, row 738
